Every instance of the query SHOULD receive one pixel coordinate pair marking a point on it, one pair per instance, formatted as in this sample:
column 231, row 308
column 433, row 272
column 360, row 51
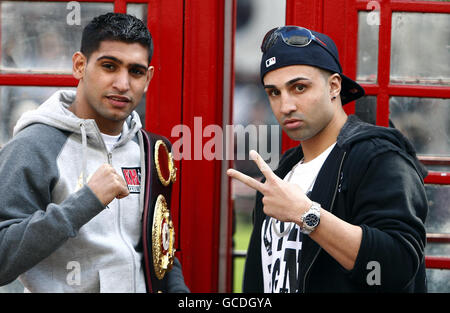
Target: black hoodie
column 371, row 178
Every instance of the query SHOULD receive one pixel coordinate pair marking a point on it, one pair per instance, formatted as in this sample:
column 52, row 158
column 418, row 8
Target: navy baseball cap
column 294, row 45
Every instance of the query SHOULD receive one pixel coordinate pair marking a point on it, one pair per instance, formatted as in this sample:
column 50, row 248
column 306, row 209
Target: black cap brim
column 350, row 90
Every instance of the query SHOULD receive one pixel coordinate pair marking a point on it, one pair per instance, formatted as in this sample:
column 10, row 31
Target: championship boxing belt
column 157, row 229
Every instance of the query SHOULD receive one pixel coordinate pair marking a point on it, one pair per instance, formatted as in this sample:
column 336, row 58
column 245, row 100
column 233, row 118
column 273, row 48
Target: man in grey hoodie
column 69, row 221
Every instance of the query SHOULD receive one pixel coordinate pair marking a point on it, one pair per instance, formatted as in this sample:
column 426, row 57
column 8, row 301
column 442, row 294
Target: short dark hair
column 325, row 73
column 115, row 27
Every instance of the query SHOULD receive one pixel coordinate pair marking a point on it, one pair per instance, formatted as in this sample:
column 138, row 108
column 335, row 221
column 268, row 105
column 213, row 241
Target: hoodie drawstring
column 84, row 148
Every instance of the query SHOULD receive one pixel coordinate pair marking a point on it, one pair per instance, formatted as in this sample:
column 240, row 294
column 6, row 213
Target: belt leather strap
column 153, row 188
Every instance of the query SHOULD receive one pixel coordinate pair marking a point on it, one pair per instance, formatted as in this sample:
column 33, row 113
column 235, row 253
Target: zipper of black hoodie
column 331, row 209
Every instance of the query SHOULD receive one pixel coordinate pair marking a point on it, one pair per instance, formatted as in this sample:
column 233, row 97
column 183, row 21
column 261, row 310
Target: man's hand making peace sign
column 282, row 200
column 287, row 202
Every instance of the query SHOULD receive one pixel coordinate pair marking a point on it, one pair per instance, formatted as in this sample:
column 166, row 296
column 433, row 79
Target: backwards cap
column 281, row 54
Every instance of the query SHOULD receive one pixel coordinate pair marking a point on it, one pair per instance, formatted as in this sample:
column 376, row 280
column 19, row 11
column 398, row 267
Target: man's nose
column 122, row 81
column 287, row 104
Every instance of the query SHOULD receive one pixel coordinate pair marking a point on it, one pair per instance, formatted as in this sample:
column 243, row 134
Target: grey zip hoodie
column 54, row 232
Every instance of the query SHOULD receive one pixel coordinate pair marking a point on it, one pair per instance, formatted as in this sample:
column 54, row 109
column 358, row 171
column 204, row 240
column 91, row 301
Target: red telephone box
column 193, row 87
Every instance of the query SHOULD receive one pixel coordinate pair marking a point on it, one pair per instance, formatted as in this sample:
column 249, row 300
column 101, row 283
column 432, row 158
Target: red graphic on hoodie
column 132, row 177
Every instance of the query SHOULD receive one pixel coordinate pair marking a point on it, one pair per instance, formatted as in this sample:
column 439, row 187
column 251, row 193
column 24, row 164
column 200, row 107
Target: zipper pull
column 109, row 158
column 340, row 182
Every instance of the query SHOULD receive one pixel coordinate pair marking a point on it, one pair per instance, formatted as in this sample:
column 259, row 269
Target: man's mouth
column 292, row 123
column 118, row 100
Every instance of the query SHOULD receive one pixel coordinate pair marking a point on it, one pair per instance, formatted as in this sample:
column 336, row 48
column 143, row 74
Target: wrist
column 302, row 209
column 310, row 219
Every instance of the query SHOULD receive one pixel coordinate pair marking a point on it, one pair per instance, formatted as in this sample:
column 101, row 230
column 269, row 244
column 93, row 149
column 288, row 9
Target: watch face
column 311, row 220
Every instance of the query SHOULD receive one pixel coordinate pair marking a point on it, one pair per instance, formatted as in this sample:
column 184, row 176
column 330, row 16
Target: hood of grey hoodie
column 54, row 112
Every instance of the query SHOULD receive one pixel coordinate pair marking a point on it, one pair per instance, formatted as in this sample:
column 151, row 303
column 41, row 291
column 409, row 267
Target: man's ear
column 335, row 81
column 79, row 62
column 150, row 72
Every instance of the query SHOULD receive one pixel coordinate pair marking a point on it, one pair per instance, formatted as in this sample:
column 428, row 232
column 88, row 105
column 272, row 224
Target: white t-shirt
column 281, row 254
column 110, row 140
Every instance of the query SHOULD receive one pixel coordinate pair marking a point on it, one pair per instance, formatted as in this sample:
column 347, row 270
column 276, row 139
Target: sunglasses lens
column 296, row 36
column 292, row 35
column 298, row 41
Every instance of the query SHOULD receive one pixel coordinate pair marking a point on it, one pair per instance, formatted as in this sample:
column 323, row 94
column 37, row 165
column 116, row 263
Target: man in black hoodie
column 345, row 210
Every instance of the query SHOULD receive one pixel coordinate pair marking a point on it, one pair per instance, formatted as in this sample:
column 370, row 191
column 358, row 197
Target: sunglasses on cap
column 294, row 36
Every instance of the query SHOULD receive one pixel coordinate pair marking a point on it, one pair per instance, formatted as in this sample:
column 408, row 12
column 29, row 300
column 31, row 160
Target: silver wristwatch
column 311, row 218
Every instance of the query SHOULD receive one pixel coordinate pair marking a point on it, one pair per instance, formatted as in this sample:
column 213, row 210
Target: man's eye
column 137, row 72
column 108, row 66
column 299, row 87
column 274, row 92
